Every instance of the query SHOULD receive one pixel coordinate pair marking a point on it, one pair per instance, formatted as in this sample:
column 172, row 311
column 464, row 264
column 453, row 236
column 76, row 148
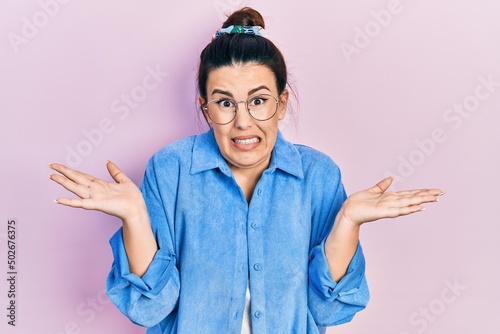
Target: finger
column 73, row 175
column 77, row 189
column 383, row 185
column 415, row 200
column 116, row 173
column 411, row 192
column 76, row 203
column 410, row 209
column 435, row 192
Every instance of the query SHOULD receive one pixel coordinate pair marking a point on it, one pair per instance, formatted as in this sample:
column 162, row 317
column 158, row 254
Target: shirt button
column 255, row 225
column 257, row 266
column 257, row 314
column 259, row 192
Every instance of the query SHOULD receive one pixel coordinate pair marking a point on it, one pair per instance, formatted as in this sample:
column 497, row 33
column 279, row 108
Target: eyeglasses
column 223, row 111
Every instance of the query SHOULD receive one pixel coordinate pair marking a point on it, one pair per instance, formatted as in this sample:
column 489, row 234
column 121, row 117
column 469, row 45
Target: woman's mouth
column 246, row 141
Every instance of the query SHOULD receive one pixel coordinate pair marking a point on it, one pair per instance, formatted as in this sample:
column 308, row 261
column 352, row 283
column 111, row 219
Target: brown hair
column 230, row 49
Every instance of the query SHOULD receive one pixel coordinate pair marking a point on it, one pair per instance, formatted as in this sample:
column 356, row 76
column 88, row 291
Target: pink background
column 384, row 108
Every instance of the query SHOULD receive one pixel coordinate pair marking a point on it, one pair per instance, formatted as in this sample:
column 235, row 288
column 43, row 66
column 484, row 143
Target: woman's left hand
column 375, row 203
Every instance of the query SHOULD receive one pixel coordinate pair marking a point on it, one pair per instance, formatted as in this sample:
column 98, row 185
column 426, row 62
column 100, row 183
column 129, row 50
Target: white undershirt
column 246, row 327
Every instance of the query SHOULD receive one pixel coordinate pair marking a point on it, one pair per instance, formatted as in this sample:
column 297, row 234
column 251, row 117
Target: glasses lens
column 221, row 111
column 262, row 107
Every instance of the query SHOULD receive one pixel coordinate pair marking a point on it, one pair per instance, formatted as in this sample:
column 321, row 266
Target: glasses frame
column 236, row 108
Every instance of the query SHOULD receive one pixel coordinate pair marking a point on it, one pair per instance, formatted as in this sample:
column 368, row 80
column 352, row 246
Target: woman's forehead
column 241, row 79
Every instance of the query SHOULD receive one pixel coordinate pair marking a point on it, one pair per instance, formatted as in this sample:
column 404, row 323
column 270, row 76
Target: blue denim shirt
column 212, row 243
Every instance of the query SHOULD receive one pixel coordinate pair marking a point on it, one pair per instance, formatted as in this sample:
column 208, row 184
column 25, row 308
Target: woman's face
column 245, row 143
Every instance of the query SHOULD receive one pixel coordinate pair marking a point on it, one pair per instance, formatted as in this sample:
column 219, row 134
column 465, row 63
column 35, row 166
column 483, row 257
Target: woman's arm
column 365, row 206
column 143, row 281
column 139, row 242
column 122, row 199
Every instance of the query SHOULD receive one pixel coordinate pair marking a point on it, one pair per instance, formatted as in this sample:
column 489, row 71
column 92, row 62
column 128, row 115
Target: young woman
column 236, row 230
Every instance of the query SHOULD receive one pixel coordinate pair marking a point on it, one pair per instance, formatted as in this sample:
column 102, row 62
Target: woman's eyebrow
column 250, row 92
column 220, row 91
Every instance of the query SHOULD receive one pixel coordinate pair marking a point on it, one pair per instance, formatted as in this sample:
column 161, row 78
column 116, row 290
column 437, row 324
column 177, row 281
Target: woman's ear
column 201, row 101
column 283, row 104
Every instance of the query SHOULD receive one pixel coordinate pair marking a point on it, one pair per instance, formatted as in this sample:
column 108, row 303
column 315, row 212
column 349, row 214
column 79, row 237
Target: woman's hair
column 233, row 49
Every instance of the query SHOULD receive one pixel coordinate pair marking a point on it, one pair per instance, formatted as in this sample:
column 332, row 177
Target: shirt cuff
column 159, row 272
column 321, row 279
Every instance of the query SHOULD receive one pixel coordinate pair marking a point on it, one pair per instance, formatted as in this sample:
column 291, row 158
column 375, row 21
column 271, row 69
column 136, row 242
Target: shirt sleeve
column 332, row 303
column 149, row 299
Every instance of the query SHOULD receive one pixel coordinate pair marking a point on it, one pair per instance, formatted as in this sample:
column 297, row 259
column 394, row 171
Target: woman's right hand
column 121, row 198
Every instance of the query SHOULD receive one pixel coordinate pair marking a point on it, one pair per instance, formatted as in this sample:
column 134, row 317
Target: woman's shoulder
column 313, row 157
column 177, row 147
column 175, row 153
column 319, row 169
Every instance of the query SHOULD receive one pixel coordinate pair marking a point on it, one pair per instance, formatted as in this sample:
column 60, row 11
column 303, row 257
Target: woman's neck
column 247, row 179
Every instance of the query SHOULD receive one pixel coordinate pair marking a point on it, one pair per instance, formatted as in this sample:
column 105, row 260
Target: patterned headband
column 248, row 30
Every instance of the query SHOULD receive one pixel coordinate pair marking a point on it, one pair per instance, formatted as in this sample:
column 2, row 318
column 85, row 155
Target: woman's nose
column 243, row 119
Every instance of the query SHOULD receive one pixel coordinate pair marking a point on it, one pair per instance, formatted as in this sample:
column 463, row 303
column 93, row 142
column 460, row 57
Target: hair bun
column 245, row 17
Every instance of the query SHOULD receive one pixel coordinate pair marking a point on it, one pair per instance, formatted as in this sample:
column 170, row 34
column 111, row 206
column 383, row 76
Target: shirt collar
column 206, row 156
column 286, row 157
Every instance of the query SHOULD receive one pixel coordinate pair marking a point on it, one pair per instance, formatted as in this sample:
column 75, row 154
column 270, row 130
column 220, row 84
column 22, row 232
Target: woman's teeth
column 246, row 141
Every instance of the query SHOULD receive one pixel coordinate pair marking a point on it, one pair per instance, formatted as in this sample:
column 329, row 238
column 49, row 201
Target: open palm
column 121, row 198
column 375, row 203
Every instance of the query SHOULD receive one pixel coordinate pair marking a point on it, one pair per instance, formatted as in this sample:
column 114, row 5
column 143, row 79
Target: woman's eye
column 225, row 103
column 258, row 101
